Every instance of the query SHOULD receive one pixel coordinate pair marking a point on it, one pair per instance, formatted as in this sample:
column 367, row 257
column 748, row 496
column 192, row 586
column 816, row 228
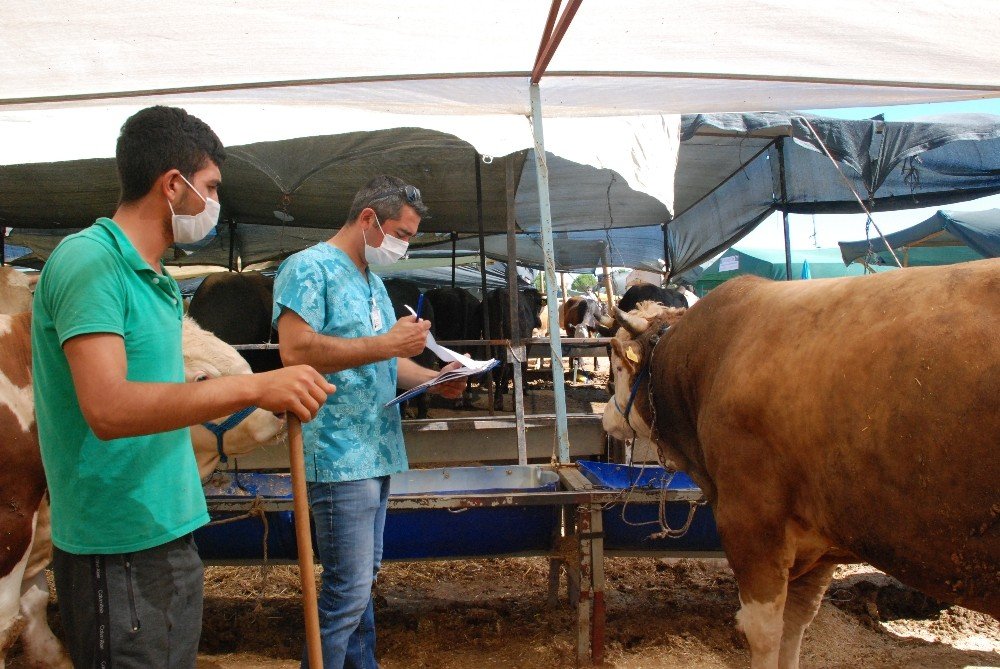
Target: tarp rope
column 866, row 210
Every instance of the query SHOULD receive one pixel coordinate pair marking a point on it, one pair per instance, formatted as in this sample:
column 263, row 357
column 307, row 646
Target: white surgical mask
column 392, row 249
column 188, row 228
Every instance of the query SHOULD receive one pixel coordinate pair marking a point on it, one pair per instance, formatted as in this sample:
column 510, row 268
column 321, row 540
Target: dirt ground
column 662, row 613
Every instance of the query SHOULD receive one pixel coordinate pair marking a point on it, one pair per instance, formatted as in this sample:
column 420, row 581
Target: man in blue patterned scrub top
column 334, row 314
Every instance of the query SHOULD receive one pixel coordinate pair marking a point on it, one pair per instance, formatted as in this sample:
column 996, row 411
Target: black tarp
column 287, row 194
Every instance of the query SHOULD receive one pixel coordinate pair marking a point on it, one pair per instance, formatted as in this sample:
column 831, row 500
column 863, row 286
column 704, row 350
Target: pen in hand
column 420, row 306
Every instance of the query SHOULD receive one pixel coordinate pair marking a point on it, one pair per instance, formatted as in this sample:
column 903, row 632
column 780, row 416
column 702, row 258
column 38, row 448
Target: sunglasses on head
column 411, row 193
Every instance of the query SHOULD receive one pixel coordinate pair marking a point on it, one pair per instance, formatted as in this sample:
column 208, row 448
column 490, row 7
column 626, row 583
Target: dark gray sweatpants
column 134, row 610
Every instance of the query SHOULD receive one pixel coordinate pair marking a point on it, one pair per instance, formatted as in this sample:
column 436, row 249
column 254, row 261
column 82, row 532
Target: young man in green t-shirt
column 112, row 406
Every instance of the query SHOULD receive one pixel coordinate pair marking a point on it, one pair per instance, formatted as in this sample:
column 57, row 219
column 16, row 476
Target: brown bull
column 831, row 421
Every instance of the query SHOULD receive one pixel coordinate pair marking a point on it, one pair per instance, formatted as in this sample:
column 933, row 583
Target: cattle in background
column 644, row 292
column 579, row 316
column 497, row 301
column 687, row 290
column 455, row 309
column 543, row 323
column 15, row 291
column 403, row 292
column 235, row 307
column 24, row 515
column 456, row 318
column 831, row 421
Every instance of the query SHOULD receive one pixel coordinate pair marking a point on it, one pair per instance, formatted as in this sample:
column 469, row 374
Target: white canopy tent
column 72, row 71
column 457, row 58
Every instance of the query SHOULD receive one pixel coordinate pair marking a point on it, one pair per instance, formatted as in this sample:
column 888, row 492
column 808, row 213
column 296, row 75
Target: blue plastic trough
column 409, row 534
column 244, row 539
column 631, row 532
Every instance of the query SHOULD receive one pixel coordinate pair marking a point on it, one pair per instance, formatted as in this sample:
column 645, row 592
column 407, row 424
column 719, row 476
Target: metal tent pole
column 545, row 212
column 784, row 213
column 516, row 348
column 482, row 275
column 668, row 263
column 232, row 244
column 788, row 247
column 574, row 362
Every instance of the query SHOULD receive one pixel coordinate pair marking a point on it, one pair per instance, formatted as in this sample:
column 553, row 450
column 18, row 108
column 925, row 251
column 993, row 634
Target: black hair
column 386, row 195
column 158, row 139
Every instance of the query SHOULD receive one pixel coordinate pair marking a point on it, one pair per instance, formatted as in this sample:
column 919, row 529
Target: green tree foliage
column 584, row 281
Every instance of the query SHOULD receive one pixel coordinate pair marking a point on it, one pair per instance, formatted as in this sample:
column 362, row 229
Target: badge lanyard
column 376, row 313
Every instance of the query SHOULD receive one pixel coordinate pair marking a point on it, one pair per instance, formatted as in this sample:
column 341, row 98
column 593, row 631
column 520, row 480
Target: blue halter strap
column 220, row 429
column 640, row 377
column 632, row 394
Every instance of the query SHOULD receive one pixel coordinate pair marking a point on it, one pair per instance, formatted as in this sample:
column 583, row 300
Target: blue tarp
column 781, row 167
column 944, row 238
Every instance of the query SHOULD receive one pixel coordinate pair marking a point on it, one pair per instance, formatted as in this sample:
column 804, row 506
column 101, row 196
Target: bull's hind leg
column 805, row 594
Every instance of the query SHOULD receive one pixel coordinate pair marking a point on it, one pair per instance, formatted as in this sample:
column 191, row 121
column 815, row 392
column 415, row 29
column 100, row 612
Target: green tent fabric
column 945, row 238
column 770, row 264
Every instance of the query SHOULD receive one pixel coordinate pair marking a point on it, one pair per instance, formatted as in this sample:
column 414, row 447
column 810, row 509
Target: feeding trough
column 629, row 526
column 252, row 510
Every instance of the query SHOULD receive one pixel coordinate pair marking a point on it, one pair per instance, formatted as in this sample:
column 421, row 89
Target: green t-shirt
column 126, row 494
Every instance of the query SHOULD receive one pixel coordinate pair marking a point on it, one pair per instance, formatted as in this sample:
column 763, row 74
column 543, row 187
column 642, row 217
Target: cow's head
column 208, row 357
column 535, row 301
column 628, row 414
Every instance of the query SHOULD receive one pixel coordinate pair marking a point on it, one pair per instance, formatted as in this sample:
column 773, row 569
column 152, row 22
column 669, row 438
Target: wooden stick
column 303, row 538
column 608, row 286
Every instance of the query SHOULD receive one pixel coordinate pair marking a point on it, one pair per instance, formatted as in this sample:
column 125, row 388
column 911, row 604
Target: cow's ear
column 629, row 352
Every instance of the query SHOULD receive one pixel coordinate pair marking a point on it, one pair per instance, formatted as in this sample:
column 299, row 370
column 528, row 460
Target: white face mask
column 188, row 228
column 392, row 249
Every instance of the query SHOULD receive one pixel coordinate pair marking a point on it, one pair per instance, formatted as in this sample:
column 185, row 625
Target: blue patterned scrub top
column 352, row 437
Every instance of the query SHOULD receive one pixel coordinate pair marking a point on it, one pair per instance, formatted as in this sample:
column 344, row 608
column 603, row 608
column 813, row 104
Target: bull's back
column 872, row 405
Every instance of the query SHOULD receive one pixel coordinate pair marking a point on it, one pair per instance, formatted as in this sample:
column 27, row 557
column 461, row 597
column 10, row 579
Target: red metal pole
column 550, row 45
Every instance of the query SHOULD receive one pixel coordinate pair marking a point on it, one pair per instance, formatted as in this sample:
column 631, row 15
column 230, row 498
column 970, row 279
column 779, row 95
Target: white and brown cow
column 25, row 545
column 15, row 290
column 831, row 421
column 208, row 357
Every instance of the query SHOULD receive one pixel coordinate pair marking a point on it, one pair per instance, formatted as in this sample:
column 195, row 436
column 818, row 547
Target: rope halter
column 220, row 429
column 643, row 375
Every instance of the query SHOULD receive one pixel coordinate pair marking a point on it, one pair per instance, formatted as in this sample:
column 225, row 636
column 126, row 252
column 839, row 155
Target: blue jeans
column 350, row 519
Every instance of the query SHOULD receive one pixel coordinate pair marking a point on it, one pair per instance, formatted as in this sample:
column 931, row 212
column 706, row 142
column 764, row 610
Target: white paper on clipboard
column 447, row 355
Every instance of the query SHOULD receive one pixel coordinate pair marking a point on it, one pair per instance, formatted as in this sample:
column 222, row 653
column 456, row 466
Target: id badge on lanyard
column 376, row 316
